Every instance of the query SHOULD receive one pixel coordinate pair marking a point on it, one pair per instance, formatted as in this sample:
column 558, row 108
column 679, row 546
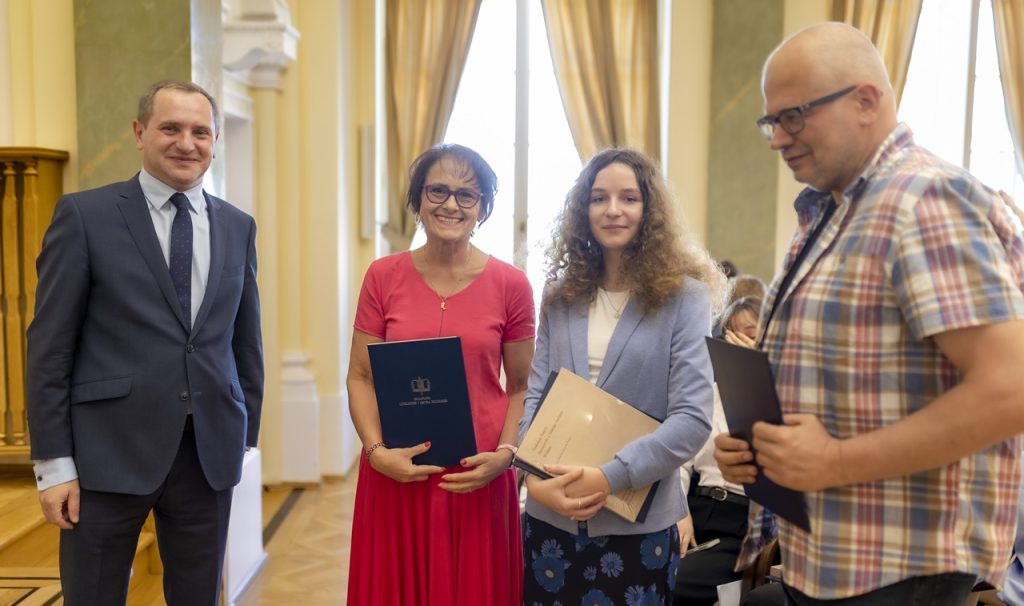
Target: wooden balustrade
column 31, row 181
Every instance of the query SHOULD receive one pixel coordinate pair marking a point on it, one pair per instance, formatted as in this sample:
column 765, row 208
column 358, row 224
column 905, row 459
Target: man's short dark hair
column 146, row 101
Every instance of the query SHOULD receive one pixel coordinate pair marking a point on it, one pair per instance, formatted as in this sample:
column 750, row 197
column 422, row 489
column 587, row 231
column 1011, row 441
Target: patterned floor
column 308, row 554
column 307, row 551
column 29, row 586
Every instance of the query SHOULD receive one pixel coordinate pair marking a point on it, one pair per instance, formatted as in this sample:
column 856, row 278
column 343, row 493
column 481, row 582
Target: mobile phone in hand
column 703, row 546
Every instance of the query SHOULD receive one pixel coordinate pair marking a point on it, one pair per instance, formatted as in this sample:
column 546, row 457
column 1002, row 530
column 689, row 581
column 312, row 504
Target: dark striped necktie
column 181, row 254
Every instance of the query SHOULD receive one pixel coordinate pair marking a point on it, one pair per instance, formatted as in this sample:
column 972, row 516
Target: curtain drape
column 1009, row 18
column 426, row 44
column 891, row 25
column 605, row 54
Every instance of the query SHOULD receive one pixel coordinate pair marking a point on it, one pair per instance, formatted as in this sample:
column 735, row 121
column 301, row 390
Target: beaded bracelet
column 373, row 447
column 509, row 447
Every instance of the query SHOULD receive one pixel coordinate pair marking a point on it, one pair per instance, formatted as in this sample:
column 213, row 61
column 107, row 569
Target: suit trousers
column 191, row 527
column 701, row 573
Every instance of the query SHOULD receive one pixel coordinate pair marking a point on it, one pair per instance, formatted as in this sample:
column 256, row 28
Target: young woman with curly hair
column 628, row 305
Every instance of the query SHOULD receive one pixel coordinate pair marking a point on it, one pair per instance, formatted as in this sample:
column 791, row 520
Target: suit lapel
column 624, row 329
column 135, row 210
column 578, row 339
column 218, row 232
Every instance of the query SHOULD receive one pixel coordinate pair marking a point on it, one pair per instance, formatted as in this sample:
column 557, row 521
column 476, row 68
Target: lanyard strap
column 830, row 208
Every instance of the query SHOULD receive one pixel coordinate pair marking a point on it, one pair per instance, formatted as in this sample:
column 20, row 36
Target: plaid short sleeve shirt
column 915, row 248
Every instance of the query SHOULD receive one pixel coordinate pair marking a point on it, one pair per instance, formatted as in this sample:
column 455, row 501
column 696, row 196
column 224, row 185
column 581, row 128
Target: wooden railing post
column 32, row 182
column 12, row 299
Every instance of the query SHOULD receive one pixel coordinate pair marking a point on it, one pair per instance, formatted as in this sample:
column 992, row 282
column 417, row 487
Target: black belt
column 721, row 494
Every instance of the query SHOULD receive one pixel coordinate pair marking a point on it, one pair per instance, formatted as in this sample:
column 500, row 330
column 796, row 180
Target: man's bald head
column 839, row 136
column 832, row 55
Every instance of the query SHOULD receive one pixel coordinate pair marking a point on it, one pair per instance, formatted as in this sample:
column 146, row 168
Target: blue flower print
column 596, row 597
column 590, row 573
column 550, row 572
column 583, row 540
column 673, row 570
column 636, row 595
column 654, row 550
column 652, row 597
column 528, row 530
column 611, row 564
column 551, row 549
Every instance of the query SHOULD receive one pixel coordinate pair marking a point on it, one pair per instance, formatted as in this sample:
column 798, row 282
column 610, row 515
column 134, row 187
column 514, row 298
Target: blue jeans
column 948, row 589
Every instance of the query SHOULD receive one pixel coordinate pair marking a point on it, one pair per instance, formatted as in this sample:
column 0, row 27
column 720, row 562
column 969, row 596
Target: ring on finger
column 579, row 503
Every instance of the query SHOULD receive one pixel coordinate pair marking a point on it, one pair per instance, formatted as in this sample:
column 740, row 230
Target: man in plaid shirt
column 897, row 344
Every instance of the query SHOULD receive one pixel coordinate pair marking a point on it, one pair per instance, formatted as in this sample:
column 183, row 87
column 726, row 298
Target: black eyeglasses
column 791, row 119
column 438, row 193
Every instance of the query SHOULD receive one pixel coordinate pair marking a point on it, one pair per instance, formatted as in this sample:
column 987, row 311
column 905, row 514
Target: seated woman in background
column 424, row 535
column 738, row 323
column 628, row 307
column 718, row 509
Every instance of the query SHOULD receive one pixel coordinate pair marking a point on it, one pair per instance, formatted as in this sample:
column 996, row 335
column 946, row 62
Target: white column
column 259, row 46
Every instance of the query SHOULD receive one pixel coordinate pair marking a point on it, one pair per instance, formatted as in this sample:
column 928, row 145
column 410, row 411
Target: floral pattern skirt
column 562, row 569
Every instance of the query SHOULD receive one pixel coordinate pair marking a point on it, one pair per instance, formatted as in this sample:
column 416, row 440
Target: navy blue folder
column 747, row 388
column 422, row 397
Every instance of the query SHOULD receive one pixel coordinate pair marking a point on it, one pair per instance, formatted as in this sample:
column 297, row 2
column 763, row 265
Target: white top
column 704, row 462
column 605, row 311
column 162, row 212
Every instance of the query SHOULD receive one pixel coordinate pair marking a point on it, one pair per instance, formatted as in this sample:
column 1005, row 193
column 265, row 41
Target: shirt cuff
column 50, row 472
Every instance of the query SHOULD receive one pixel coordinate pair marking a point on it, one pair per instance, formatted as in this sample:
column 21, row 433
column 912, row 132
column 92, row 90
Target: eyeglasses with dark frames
column 438, row 193
column 791, row 119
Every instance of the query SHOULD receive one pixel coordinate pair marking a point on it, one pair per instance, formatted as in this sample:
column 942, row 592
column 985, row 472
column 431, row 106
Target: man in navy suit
column 145, row 362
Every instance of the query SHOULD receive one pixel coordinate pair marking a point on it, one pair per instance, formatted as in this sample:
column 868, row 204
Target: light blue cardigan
column 658, row 362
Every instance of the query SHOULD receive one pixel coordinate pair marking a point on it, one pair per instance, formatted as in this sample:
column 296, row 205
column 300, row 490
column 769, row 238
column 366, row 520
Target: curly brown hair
column 655, row 261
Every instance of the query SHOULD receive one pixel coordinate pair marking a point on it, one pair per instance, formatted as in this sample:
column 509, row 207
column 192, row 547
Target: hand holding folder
column 422, row 397
column 747, row 388
column 578, row 423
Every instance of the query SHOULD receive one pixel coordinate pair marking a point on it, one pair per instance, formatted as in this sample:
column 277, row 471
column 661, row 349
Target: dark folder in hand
column 422, row 397
column 747, row 388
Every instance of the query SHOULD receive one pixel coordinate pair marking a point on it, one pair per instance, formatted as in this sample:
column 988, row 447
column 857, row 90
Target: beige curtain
column 606, row 61
column 426, row 45
column 891, row 25
column 1009, row 18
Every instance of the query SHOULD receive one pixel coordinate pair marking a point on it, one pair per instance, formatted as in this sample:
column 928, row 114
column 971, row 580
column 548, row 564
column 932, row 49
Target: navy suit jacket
column 657, row 361
column 111, row 361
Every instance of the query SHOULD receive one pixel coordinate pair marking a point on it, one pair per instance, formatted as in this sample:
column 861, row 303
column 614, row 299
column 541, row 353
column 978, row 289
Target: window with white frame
column 953, row 99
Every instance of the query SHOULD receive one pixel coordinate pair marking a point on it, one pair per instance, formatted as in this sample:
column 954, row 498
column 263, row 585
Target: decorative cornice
column 260, row 42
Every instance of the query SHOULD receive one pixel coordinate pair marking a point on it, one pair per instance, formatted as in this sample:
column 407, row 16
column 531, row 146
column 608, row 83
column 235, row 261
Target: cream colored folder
column 578, row 423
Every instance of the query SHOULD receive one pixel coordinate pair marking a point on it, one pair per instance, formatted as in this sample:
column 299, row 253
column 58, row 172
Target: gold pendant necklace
column 617, row 311
column 455, row 289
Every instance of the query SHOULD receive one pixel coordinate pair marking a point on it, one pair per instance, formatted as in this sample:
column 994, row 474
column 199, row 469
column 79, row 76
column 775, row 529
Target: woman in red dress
column 425, row 535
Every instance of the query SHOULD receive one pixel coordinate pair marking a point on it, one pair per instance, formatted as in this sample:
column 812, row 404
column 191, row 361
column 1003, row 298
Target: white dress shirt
column 704, row 461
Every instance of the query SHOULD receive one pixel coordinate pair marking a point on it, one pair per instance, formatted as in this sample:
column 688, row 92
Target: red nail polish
column 427, row 444
column 462, row 462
